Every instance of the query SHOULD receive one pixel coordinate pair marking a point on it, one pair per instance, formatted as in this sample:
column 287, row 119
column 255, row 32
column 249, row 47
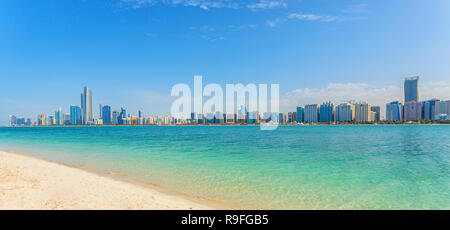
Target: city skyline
column 360, row 112
column 339, row 51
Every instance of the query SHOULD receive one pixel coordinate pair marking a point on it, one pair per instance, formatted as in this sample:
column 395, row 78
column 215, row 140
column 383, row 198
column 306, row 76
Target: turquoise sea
column 293, row 167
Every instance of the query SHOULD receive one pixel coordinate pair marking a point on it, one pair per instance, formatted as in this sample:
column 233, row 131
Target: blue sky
column 131, row 52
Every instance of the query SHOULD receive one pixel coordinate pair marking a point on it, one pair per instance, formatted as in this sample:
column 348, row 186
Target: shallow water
column 293, row 167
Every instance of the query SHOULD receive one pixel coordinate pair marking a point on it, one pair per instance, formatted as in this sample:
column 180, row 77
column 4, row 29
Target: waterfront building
column 411, row 89
column 363, row 113
column 86, row 106
column 75, row 115
column 106, row 116
column 51, row 120
column 252, row 118
column 429, row 109
column 442, row 109
column 291, row 117
column 122, row 117
column 59, row 117
column 377, row 111
column 242, row 115
column 345, row 112
column 100, row 111
column 326, row 113
column 12, row 120
column 115, row 117
column 66, row 119
column 311, row 113
column 299, row 117
column 42, row 119
column 412, row 111
column 281, row 118
column 394, row 111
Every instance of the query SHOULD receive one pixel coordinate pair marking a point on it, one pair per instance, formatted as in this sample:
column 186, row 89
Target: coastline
column 27, row 182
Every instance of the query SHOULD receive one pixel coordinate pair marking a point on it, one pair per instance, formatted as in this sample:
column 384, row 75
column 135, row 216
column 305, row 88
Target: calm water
column 301, row 167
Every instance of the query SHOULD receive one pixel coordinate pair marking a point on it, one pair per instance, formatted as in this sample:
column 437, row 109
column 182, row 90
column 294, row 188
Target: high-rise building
column 412, row 111
column 42, row 119
column 345, row 112
column 100, row 111
column 311, row 113
column 59, row 118
column 428, row 110
column 115, row 117
column 377, row 111
column 12, row 120
column 394, row 111
column 86, row 106
column 299, row 114
column 363, row 113
column 411, row 89
column 326, row 113
column 106, row 116
column 66, row 119
column 122, row 116
column 442, row 109
column 75, row 115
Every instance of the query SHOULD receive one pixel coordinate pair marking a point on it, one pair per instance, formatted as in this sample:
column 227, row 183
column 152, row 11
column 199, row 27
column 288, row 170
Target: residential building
column 345, row 112
column 363, row 113
column 377, row 111
column 299, row 117
column 311, row 113
column 326, row 113
column 75, row 115
column 106, row 115
column 394, row 111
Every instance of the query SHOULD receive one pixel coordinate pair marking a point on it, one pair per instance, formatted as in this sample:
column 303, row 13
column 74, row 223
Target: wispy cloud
column 267, row 4
column 303, row 17
column 202, row 4
column 220, row 33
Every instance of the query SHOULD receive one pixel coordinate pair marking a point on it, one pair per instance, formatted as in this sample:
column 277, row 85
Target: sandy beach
column 31, row 183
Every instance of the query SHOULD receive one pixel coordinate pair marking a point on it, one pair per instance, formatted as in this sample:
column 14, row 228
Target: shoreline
column 68, row 187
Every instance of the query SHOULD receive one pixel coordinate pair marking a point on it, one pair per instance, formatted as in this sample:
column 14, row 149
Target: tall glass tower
column 411, row 89
column 86, row 106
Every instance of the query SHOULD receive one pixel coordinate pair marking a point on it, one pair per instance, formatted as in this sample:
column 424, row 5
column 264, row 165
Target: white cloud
column 312, row 17
column 202, row 4
column 359, row 92
column 267, row 4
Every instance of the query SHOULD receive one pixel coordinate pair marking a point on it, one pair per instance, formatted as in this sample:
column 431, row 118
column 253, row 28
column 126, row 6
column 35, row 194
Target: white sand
column 30, row 183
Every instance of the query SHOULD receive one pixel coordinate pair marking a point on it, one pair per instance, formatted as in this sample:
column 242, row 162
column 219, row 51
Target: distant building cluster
column 411, row 110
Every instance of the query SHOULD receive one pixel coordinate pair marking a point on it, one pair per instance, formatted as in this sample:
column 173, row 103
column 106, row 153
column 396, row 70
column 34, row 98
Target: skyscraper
column 377, row 111
column 411, row 89
column 75, row 115
column 299, row 114
column 115, row 117
column 394, row 111
column 442, row 109
column 345, row 112
column 101, row 111
column 59, row 119
column 311, row 113
column 326, row 113
column 412, row 111
column 86, row 106
column 106, row 116
column 122, row 116
column 429, row 109
column 363, row 113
